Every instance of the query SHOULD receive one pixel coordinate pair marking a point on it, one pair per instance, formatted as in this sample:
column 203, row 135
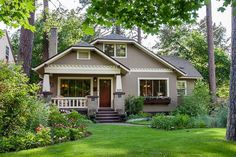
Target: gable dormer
column 113, row 45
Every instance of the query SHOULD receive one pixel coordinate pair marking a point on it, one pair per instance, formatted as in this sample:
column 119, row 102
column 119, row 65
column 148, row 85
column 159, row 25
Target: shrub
column 161, row 121
column 56, row 119
column 60, row 135
column 16, row 95
column 139, row 115
column 221, row 116
column 198, row 103
column 75, row 134
column 134, row 105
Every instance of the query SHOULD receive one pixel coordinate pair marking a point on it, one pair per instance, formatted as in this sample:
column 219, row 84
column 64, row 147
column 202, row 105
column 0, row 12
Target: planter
column 157, row 100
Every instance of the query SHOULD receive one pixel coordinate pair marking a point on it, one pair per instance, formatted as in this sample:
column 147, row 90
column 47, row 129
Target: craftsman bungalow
column 97, row 76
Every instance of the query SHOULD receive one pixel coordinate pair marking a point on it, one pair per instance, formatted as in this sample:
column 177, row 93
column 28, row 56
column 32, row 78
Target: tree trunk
column 26, row 46
column 45, row 35
column 139, row 35
column 231, row 122
column 211, row 57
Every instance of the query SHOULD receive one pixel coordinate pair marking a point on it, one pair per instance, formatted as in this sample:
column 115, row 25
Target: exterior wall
column 190, row 87
column 130, row 87
column 136, row 58
column 71, row 59
column 3, row 43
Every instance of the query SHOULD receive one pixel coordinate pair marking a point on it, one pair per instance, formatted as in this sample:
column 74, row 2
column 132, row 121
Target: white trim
column 185, row 87
column 82, row 69
column 150, row 70
column 154, row 78
column 89, row 55
column 186, row 77
column 74, row 78
column 145, row 50
column 80, row 48
column 115, row 44
column 98, row 89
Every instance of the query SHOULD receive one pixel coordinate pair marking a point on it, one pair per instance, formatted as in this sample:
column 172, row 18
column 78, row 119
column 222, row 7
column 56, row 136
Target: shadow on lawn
column 131, row 141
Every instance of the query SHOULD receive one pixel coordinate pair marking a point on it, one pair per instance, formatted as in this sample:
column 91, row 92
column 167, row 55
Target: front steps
column 107, row 115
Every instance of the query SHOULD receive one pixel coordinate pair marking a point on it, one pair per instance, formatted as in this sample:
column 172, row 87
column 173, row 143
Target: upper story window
column 182, row 88
column 83, row 55
column 7, row 53
column 115, row 50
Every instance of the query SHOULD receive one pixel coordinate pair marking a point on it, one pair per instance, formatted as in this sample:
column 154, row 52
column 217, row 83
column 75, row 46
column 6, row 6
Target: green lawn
column 130, row 141
column 142, row 122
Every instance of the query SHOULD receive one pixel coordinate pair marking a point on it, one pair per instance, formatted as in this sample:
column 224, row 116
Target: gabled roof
column 77, row 47
column 114, row 37
column 184, row 65
column 120, row 38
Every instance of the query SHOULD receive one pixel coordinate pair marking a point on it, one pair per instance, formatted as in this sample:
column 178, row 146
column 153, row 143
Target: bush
column 139, row 115
column 75, row 134
column 60, row 135
column 198, row 103
column 56, row 119
column 134, row 105
column 161, row 121
column 221, row 116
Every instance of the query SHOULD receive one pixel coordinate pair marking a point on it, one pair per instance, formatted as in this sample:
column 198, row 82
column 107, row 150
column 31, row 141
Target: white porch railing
column 70, row 102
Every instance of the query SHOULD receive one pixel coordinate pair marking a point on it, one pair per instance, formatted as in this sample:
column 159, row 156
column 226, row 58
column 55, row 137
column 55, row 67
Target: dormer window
column 115, row 50
column 83, row 54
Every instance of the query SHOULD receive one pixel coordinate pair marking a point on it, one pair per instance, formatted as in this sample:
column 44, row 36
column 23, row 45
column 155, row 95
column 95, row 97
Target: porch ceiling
column 82, row 69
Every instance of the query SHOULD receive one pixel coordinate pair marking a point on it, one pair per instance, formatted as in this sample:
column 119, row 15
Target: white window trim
column 74, row 78
column 103, row 48
column 89, row 55
column 185, row 84
column 98, row 89
column 154, row 78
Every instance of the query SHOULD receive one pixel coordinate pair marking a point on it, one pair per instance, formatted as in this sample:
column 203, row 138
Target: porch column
column 118, row 83
column 119, row 96
column 46, row 90
column 92, row 105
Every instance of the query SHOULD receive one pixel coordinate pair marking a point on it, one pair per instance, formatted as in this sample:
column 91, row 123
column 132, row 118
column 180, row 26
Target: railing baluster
column 79, row 102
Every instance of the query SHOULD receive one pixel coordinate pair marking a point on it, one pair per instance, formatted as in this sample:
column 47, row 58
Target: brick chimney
column 52, row 42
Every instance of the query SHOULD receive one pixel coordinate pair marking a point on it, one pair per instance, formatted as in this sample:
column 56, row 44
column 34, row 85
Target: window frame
column 155, row 78
column 89, row 54
column 185, row 89
column 115, row 44
column 74, row 78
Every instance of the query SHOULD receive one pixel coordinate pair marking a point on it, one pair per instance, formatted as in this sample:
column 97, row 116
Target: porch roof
column 82, row 69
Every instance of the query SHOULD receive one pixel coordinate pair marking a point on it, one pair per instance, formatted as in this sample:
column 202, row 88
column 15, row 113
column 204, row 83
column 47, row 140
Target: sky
column 217, row 17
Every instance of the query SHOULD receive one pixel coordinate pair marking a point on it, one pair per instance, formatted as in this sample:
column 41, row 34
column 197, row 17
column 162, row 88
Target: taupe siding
column 130, row 87
column 71, row 59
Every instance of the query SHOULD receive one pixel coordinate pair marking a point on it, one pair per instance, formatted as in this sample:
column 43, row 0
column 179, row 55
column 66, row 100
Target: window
column 75, row 88
column 181, row 88
column 83, row 55
column 153, row 88
column 115, row 50
column 7, row 53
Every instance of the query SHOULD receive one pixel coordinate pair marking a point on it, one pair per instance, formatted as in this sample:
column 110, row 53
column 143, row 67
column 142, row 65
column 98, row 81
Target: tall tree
column 26, row 46
column 211, row 57
column 14, row 13
column 45, row 43
column 231, row 123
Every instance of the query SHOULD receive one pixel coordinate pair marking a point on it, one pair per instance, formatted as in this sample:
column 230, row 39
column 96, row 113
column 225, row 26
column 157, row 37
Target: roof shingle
column 114, row 37
column 183, row 65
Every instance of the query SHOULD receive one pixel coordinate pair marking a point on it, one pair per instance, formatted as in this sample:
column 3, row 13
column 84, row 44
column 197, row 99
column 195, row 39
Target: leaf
column 87, row 29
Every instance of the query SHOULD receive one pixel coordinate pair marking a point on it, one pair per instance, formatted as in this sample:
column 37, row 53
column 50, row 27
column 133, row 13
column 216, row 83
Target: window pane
column 181, row 88
column 156, row 87
column 149, row 87
column 75, row 88
column 142, row 88
column 163, row 88
column 120, row 50
column 109, row 49
column 83, row 54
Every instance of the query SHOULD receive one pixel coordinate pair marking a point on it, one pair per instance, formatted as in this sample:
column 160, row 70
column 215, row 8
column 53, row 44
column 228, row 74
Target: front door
column 105, row 92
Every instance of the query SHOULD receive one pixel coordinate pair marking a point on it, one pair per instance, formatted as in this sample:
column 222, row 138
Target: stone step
column 114, row 117
column 107, row 115
column 105, row 109
column 108, row 121
column 106, row 112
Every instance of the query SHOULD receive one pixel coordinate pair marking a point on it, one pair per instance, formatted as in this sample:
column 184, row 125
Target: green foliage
column 56, row 119
column 75, row 134
column 197, row 103
column 139, row 115
column 25, row 140
column 15, row 13
column 148, row 15
column 16, row 96
column 134, row 105
column 162, row 121
column 220, row 115
column 60, row 135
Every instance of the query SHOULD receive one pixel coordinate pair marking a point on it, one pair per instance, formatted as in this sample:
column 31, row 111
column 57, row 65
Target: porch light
column 95, row 79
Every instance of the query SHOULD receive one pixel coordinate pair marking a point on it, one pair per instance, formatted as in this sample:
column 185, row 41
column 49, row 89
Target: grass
column 132, row 141
column 141, row 122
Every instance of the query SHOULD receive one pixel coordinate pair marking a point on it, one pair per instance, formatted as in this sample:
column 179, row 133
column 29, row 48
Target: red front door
column 105, row 92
